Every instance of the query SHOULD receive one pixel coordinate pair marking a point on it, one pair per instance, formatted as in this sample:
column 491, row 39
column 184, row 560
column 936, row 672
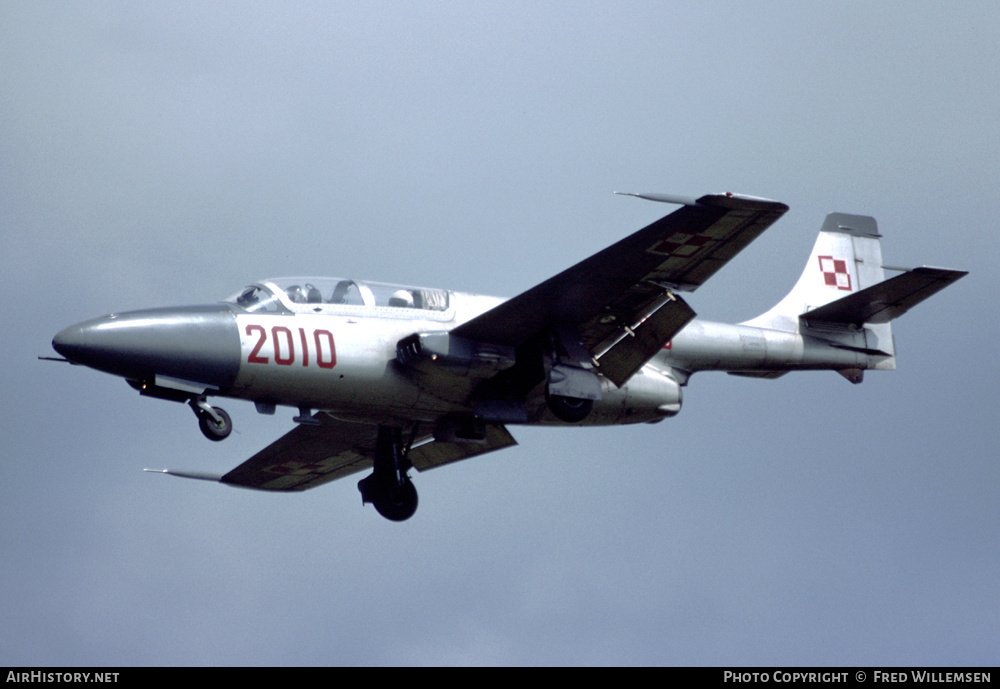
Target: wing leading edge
column 621, row 300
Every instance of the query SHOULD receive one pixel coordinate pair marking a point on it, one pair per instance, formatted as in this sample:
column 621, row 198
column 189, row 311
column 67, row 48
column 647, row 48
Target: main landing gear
column 389, row 487
column 214, row 422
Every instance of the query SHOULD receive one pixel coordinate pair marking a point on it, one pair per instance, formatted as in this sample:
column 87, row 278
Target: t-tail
column 837, row 316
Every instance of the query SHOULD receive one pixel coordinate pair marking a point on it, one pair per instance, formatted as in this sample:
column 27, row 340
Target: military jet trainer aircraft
column 389, row 378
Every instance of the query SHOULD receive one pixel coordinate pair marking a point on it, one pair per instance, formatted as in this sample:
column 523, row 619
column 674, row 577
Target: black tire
column 402, row 506
column 569, row 409
column 211, row 429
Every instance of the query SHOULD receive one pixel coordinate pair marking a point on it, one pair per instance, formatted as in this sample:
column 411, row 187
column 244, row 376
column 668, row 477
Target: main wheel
column 212, row 429
column 400, row 507
column 569, row 409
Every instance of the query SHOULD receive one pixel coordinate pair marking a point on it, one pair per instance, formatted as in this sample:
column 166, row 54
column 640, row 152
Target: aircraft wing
column 621, row 300
column 311, row 455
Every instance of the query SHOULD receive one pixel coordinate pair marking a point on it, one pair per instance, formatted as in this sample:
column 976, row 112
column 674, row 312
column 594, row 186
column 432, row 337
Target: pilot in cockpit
column 296, row 294
column 401, row 298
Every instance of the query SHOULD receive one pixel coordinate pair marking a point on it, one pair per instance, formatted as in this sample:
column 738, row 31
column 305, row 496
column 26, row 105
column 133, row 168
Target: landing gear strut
column 389, row 487
column 214, row 422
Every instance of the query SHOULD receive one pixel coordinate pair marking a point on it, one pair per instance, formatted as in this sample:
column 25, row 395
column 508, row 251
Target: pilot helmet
column 402, row 298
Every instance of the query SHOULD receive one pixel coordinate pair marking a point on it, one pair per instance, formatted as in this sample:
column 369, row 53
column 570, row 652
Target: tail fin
column 843, row 297
column 846, row 258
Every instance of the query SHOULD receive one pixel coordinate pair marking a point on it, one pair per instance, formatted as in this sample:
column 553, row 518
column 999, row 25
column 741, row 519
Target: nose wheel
column 214, row 422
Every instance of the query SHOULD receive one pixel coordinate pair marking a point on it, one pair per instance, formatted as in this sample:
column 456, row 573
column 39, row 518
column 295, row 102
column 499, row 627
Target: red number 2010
column 324, row 352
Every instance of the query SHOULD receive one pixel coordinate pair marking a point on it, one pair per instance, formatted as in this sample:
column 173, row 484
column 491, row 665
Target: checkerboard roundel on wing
column 680, row 244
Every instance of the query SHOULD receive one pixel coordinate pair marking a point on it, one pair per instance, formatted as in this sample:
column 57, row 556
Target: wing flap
column 640, row 343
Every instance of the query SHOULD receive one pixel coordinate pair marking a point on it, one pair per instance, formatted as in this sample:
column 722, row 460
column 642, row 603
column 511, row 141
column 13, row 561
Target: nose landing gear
column 214, row 422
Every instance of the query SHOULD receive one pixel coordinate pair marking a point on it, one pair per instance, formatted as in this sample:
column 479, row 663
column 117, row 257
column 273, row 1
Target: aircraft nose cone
column 199, row 344
column 70, row 342
column 84, row 343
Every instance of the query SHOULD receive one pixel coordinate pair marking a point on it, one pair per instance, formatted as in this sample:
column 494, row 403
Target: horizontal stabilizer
column 886, row 300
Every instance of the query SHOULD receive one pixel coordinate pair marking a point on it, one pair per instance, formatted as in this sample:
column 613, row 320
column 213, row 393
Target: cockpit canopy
column 336, row 295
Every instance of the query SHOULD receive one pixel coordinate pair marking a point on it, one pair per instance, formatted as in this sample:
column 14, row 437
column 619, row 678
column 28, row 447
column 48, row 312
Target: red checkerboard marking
column 680, row 244
column 835, row 272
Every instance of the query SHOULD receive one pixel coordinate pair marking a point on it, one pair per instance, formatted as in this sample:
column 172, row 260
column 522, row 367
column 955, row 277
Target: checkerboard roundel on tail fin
column 846, row 259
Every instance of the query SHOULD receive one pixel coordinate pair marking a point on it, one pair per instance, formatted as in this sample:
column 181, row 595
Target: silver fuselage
column 342, row 358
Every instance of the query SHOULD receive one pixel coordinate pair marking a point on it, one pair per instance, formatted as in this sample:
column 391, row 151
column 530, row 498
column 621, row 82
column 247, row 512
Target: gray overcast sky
column 156, row 154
